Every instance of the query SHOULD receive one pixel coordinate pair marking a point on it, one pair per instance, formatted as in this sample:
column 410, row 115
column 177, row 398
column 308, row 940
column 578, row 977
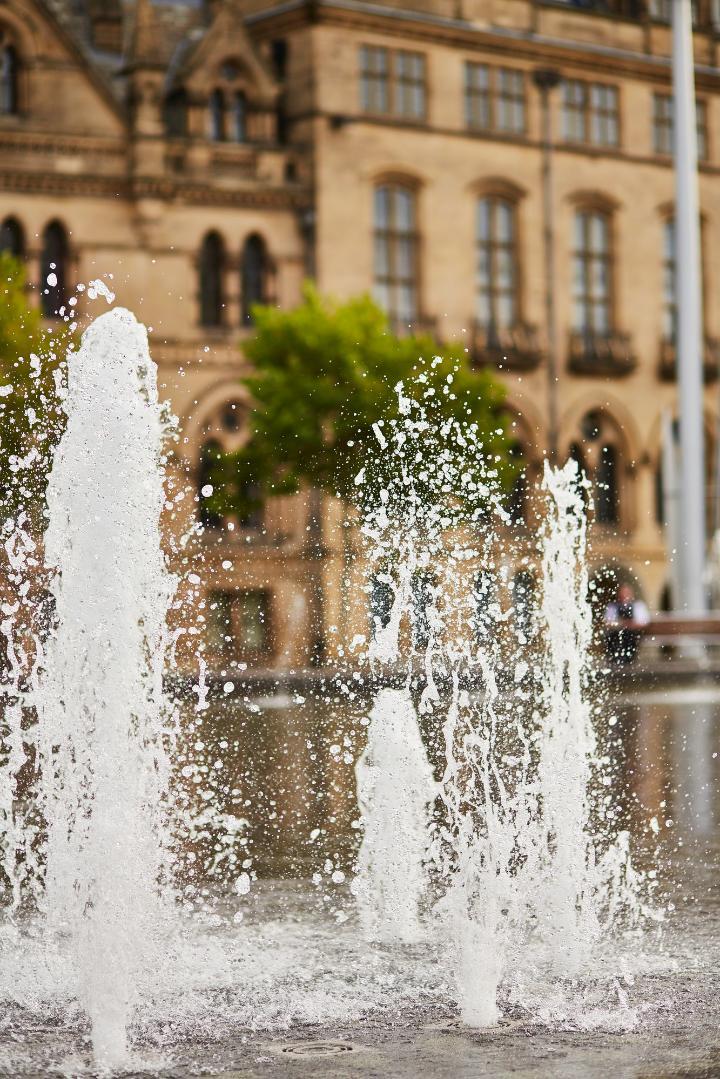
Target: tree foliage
column 323, row 375
column 31, row 378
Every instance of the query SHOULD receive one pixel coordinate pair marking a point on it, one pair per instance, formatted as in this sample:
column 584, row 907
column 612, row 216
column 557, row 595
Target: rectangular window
column 238, row 623
column 574, row 114
column 510, row 100
column 392, row 82
column 496, row 275
column 603, row 115
column 663, row 125
column 396, row 254
column 591, row 113
column 592, row 270
column 374, row 79
column 410, row 85
column 477, row 96
column 494, row 99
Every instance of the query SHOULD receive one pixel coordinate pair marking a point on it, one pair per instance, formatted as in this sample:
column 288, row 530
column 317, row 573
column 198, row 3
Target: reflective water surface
column 275, row 975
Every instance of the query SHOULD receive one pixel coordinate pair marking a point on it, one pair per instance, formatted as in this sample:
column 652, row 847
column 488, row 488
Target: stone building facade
column 498, row 171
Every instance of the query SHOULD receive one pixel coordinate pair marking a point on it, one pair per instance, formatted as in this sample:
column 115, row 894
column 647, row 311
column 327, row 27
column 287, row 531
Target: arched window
column 12, row 238
column 8, row 78
column 216, row 106
column 592, row 274
column 53, row 269
column 253, row 269
column 496, row 280
column 396, row 253
column 212, row 257
column 240, row 117
column 210, row 455
column 600, row 455
column 606, row 486
column 175, row 113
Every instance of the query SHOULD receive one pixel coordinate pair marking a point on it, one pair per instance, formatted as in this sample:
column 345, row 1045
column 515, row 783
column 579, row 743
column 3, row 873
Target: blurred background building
column 495, row 171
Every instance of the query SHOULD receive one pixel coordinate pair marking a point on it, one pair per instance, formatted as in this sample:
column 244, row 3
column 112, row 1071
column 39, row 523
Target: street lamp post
column 689, row 340
column 546, row 79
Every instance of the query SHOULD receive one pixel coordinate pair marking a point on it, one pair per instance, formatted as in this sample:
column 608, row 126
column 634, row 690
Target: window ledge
column 667, row 363
column 515, row 348
column 601, row 354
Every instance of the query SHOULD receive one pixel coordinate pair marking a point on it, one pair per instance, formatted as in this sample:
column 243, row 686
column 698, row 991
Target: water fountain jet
column 102, row 717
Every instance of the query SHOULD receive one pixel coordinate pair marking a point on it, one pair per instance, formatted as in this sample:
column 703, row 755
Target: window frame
column 392, row 237
column 663, row 126
column 60, row 267
column 212, row 239
column 494, row 247
column 587, row 259
column 12, row 229
column 589, row 117
column 494, row 97
column 389, row 80
column 607, row 495
column 9, row 77
column 256, row 244
column 217, row 119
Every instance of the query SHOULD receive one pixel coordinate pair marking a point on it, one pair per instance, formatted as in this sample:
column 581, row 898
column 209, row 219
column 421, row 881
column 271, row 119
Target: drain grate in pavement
column 501, row 1027
column 316, row 1049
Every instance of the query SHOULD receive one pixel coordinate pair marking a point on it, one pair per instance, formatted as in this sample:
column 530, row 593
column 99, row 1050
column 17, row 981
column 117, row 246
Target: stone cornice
column 59, row 183
column 198, row 194
column 507, row 43
column 38, row 142
column 161, row 188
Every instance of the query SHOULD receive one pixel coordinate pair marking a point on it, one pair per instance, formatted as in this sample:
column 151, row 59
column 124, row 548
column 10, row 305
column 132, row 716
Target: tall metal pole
column 689, row 343
column 546, row 79
column 673, row 550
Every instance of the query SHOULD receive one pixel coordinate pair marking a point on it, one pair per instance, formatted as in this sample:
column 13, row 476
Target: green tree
column 32, row 361
column 323, row 375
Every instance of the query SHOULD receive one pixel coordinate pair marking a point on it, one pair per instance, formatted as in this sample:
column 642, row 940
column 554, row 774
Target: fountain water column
column 395, row 788
column 100, row 709
column 567, row 742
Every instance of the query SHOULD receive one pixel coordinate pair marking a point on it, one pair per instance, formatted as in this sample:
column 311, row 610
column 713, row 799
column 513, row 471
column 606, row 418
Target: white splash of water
column 528, row 880
column 101, row 714
column 567, row 906
column 395, row 788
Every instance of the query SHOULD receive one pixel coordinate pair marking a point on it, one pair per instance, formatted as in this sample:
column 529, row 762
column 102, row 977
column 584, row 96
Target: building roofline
column 492, row 35
column 94, row 74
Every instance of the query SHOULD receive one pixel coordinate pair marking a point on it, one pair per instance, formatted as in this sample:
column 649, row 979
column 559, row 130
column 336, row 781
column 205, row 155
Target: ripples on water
column 288, row 955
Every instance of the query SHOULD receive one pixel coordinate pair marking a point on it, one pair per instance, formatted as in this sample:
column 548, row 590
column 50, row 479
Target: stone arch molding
column 399, row 175
column 203, row 418
column 497, row 187
column 24, row 31
column 616, row 412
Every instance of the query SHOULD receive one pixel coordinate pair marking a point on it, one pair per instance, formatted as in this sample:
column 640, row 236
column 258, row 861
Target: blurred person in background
column 625, row 619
